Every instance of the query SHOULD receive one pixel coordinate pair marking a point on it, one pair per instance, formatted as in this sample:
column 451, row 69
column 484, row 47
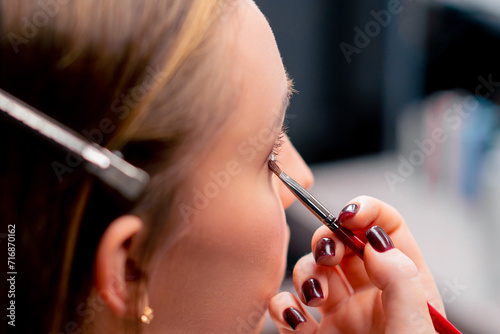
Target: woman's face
column 230, row 259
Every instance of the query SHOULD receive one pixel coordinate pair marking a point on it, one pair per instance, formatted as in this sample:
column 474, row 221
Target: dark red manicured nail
column 293, row 317
column 379, row 240
column 324, row 251
column 312, row 292
column 348, row 211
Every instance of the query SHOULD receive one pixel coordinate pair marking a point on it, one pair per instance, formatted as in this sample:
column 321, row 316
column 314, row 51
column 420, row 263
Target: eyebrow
column 288, row 95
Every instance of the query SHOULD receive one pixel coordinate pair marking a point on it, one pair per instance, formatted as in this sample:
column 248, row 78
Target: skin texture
column 226, row 262
column 230, row 258
column 386, row 293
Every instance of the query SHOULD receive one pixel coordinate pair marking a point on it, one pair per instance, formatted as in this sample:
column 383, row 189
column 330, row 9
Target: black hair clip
column 127, row 179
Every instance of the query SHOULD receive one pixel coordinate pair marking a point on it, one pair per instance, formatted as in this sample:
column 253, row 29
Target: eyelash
column 280, row 141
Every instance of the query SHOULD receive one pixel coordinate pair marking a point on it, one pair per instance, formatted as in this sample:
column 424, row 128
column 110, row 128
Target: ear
column 113, row 256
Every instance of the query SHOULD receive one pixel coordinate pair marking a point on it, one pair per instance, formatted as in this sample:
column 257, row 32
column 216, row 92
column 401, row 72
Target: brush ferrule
column 331, row 222
column 306, row 198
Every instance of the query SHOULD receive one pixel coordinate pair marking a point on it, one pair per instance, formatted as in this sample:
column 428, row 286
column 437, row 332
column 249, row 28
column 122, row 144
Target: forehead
column 257, row 86
column 258, row 68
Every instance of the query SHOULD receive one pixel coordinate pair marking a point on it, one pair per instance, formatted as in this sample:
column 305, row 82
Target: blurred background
column 399, row 100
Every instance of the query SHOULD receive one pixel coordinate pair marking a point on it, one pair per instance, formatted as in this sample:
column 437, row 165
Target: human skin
column 221, row 269
column 230, row 256
column 387, row 292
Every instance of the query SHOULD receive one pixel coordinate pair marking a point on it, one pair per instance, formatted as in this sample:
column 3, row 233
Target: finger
column 310, row 281
column 363, row 212
column 319, row 286
column 403, row 297
column 343, row 255
column 327, row 249
column 288, row 315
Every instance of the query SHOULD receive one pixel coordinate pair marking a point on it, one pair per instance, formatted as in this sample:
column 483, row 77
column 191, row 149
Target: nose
column 292, row 163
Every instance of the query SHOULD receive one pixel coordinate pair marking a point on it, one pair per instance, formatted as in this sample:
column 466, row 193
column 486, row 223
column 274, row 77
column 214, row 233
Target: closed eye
column 280, row 141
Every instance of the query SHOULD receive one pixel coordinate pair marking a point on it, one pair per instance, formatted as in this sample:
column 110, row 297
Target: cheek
column 235, row 238
column 256, row 232
column 271, row 236
column 222, row 269
column 261, row 227
column 229, row 259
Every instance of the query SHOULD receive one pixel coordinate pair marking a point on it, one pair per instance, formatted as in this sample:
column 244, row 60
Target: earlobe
column 112, row 261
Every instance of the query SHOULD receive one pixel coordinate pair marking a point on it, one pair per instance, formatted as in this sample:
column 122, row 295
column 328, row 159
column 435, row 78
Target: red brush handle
column 350, row 240
column 441, row 324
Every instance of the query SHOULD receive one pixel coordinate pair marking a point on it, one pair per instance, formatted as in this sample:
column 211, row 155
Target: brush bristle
column 274, row 167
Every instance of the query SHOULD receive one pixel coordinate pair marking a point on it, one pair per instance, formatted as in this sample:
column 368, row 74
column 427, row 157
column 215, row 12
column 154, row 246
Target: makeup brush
column 319, row 210
column 441, row 324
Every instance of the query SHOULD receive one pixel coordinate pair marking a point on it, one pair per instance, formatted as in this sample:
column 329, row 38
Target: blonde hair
column 144, row 77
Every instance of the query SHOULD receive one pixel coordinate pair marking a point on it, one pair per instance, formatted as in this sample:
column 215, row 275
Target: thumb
column 403, row 296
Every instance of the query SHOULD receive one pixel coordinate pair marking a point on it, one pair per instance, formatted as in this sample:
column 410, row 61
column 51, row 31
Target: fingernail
column 379, row 240
column 312, row 292
column 324, row 251
column 348, row 211
column 293, row 317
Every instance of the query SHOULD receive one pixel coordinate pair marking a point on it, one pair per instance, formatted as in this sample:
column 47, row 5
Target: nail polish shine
column 348, row 211
column 324, row 251
column 379, row 239
column 293, row 317
column 312, row 292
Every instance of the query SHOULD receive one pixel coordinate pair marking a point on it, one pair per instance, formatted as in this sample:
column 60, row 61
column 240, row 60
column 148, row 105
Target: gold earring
column 147, row 315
